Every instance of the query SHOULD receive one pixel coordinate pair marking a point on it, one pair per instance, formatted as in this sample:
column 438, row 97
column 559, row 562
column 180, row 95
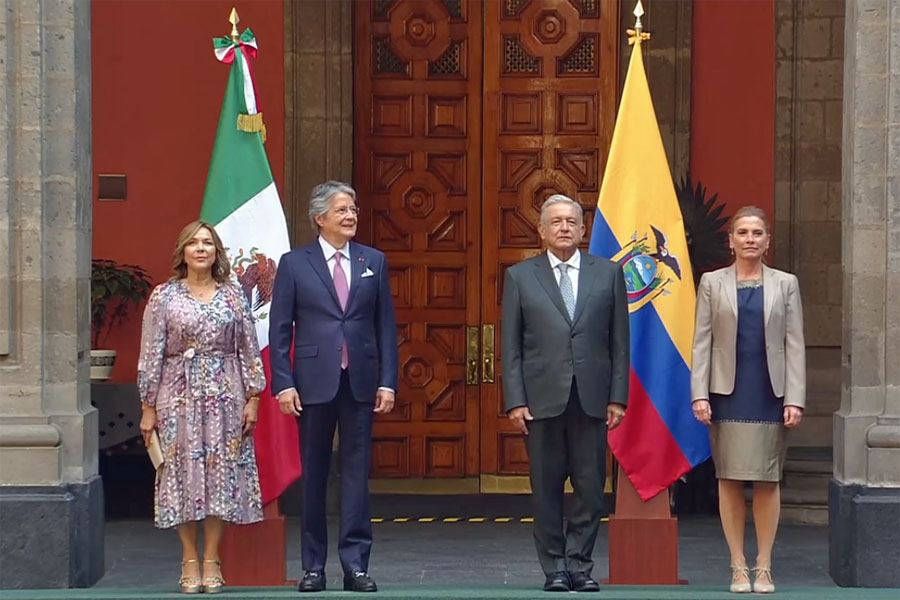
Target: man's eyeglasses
column 343, row 211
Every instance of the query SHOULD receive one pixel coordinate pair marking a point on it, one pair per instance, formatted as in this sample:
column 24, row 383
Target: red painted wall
column 157, row 93
column 733, row 101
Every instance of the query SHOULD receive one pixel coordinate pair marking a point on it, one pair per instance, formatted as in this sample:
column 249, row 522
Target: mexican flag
column 241, row 201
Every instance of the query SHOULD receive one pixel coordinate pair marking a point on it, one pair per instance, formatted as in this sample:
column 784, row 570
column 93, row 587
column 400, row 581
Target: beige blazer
column 715, row 335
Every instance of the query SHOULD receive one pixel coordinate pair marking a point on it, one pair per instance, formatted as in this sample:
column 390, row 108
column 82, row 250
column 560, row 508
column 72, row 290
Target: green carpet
column 465, row 593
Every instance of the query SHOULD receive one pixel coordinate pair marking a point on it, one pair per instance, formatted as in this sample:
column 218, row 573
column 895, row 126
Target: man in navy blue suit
column 332, row 301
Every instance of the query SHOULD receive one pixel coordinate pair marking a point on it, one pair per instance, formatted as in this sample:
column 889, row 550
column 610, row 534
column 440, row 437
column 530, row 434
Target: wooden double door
column 468, row 115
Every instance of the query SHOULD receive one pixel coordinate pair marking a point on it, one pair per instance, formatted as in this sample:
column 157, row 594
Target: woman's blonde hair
column 221, row 271
column 749, row 211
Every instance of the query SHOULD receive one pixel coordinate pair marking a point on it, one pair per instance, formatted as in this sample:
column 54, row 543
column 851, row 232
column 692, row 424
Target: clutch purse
column 155, row 452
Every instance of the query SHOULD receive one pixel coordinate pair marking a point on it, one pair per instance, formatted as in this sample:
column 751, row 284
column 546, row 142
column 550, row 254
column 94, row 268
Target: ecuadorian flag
column 638, row 224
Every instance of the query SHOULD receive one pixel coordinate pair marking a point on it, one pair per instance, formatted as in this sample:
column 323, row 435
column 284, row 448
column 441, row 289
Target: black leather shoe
column 359, row 581
column 313, row 581
column 557, row 582
column 582, row 582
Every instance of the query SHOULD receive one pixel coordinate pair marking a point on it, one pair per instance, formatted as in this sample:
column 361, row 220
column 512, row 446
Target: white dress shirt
column 574, row 263
column 331, row 260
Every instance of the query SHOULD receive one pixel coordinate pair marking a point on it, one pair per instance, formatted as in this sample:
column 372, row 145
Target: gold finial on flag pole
column 234, row 20
column 637, row 34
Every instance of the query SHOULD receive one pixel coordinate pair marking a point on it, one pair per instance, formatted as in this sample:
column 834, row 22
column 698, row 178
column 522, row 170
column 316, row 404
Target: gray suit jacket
column 543, row 349
column 715, row 335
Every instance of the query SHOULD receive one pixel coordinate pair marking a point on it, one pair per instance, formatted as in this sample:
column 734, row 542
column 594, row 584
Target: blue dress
column 748, row 434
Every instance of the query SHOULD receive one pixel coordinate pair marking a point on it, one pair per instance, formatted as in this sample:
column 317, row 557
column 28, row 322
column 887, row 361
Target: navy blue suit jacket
column 305, row 309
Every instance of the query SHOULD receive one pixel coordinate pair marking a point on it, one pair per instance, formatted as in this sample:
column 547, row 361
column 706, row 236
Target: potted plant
column 115, row 290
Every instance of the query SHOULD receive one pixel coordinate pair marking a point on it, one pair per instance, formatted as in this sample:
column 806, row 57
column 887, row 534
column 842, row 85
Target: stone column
column 864, row 495
column 808, row 102
column 318, row 67
column 51, row 497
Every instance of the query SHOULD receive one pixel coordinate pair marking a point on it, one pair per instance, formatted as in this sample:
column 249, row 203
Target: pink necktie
column 343, row 291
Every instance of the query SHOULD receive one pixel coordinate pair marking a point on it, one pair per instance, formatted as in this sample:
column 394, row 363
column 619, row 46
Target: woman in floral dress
column 199, row 377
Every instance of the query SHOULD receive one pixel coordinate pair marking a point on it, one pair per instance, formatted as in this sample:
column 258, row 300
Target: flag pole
column 643, row 536
column 234, row 20
column 254, row 554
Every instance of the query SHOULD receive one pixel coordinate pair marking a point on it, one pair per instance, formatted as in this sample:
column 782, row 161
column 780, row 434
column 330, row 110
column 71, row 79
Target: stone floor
column 465, row 553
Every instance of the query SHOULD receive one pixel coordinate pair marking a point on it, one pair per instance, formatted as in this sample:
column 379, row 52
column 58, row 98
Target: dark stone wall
column 864, row 535
column 52, row 535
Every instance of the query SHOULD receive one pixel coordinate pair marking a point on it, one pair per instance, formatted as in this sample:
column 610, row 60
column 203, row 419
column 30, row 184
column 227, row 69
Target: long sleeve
column 386, row 331
column 513, row 378
column 153, row 347
column 620, row 343
column 794, row 348
column 281, row 327
column 253, row 374
column 702, row 347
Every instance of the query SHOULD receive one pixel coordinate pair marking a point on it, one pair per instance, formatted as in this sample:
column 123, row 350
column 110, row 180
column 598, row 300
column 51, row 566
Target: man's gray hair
column 321, row 195
column 560, row 199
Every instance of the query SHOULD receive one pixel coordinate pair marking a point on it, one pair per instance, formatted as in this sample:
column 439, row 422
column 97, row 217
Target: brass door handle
column 487, row 353
column 473, row 349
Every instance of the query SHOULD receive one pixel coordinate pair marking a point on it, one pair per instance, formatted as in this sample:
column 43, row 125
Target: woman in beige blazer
column 748, row 383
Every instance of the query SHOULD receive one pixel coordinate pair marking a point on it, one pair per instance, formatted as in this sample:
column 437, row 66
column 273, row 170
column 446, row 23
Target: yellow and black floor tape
column 458, row 519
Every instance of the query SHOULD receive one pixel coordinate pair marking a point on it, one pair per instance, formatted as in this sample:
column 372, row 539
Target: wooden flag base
column 255, row 554
column 643, row 539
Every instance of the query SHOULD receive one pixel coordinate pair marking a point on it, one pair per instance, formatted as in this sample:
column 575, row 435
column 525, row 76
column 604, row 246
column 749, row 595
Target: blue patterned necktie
column 565, row 288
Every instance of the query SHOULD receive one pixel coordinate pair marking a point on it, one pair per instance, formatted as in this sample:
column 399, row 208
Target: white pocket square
column 368, row 273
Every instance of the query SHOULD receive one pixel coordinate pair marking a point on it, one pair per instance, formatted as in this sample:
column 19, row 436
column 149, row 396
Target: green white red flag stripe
column 241, row 201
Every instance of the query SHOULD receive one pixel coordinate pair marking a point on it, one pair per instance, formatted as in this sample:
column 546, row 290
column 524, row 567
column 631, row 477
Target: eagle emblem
column 256, row 276
column 643, row 265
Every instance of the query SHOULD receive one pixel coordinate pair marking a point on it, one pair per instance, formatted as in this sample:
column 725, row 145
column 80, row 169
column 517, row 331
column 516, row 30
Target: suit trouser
column 317, row 423
column 572, row 445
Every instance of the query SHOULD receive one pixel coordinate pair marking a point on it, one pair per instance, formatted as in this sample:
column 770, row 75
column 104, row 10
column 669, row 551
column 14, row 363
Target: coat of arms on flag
column 648, row 270
column 256, row 274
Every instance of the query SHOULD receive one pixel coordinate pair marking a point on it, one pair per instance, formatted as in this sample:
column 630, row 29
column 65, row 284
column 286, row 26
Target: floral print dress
column 199, row 362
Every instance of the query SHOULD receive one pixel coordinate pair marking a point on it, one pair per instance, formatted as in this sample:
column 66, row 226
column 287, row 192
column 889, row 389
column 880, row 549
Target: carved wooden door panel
column 418, row 174
column 468, row 114
column 550, row 81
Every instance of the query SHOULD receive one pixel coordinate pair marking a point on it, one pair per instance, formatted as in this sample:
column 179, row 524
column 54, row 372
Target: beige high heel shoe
column 189, row 585
column 760, row 587
column 213, row 584
column 740, row 587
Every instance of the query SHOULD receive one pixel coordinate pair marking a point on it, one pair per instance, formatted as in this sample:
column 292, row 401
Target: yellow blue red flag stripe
column 639, row 225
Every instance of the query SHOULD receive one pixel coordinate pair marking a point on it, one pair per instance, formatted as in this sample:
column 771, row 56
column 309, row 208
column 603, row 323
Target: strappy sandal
column 213, row 584
column 738, row 572
column 760, row 587
column 189, row 585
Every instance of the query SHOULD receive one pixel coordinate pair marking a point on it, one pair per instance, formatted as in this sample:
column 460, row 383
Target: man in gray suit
column 565, row 383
